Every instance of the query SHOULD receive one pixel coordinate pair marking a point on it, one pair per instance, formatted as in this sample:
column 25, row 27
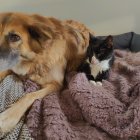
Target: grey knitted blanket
column 83, row 111
column 11, row 89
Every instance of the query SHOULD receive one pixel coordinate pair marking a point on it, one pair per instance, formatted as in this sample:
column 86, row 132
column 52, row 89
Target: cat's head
column 100, row 49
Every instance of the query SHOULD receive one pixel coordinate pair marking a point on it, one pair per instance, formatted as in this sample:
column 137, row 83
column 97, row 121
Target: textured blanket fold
column 83, row 111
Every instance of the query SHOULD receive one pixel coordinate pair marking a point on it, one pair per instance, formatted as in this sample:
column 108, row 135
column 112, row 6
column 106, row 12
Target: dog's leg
column 10, row 117
column 4, row 74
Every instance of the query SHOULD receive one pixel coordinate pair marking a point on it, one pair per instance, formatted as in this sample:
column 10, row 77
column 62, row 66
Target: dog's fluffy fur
column 47, row 47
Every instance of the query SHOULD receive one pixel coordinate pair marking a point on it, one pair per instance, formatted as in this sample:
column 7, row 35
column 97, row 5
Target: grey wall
column 103, row 16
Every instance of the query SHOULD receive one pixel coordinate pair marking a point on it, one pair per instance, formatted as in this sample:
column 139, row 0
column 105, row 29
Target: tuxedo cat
column 99, row 59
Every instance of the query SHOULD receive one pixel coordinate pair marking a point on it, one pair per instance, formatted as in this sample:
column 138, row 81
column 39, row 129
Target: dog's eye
column 12, row 37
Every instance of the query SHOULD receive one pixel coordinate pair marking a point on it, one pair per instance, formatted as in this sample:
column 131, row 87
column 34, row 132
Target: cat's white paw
column 99, row 84
column 93, row 82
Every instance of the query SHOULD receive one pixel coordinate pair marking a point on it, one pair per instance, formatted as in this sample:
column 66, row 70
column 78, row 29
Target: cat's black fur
column 102, row 50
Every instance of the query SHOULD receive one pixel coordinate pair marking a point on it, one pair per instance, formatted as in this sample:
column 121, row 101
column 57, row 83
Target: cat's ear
column 90, row 49
column 93, row 39
column 109, row 41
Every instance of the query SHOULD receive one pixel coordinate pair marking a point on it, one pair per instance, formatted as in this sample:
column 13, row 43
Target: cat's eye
column 12, row 37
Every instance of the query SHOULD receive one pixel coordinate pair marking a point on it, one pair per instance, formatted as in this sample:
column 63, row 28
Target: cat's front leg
column 93, row 82
column 98, row 83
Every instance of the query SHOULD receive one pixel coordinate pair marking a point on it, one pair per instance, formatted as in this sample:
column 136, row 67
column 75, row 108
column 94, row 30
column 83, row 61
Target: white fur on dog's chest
column 99, row 67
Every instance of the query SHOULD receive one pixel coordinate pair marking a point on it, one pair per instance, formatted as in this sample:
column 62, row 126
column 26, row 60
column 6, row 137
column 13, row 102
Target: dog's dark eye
column 12, row 37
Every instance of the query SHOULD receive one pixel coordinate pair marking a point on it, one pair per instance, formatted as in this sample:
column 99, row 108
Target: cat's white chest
column 99, row 67
column 104, row 64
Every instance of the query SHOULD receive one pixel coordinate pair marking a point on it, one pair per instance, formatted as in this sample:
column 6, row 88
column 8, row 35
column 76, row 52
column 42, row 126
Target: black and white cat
column 99, row 59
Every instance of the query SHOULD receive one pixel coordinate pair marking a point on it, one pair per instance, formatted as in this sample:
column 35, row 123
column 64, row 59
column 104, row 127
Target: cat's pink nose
column 94, row 60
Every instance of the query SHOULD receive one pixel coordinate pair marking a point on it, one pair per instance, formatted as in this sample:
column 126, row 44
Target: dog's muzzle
column 8, row 59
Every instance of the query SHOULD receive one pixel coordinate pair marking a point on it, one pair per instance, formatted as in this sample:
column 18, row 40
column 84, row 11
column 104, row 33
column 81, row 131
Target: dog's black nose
column 8, row 59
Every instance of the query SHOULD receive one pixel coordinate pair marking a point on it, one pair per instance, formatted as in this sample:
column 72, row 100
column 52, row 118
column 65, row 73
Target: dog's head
column 22, row 37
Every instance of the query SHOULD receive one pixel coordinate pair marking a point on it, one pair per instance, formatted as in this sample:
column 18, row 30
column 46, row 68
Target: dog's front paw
column 1, row 133
column 4, row 123
column 8, row 121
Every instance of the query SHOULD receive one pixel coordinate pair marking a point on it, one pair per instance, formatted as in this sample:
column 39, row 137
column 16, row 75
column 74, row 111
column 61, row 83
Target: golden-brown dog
column 47, row 49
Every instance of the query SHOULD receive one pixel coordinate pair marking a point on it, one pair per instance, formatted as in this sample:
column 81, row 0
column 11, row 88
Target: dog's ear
column 41, row 33
column 4, row 17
